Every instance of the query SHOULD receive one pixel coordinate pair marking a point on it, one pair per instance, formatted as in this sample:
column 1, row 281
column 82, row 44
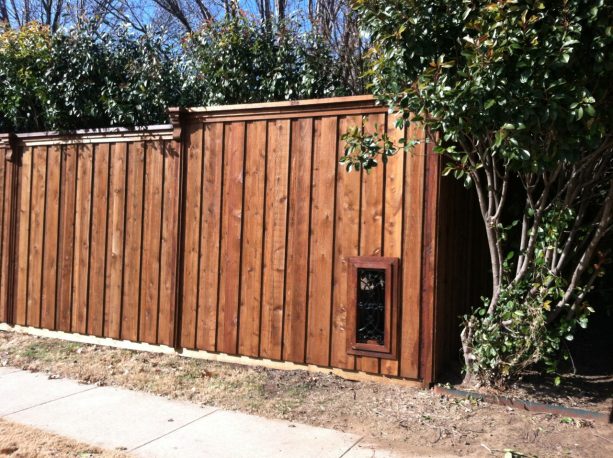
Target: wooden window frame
column 391, row 266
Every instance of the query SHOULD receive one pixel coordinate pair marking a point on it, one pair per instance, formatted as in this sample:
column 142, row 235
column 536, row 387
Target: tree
column 239, row 60
column 517, row 95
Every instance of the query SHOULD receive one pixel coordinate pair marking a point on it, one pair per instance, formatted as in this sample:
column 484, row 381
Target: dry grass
column 399, row 418
column 22, row 441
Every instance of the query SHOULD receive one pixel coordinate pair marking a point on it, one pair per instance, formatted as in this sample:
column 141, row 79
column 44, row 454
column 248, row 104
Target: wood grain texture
column 429, row 247
column 152, row 228
column 322, row 241
column 299, row 198
column 115, row 240
column 346, row 245
column 251, row 273
column 66, row 248
column 231, row 228
column 37, row 231
column 371, row 219
column 9, row 189
column 97, row 244
column 21, row 299
column 208, row 293
column 275, row 232
column 52, row 204
column 393, row 221
column 81, row 244
column 193, row 148
column 241, row 245
column 132, row 241
column 412, row 257
column 5, row 193
column 169, row 245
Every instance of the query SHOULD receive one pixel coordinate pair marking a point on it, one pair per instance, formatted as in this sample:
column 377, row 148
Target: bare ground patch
column 22, row 441
column 403, row 419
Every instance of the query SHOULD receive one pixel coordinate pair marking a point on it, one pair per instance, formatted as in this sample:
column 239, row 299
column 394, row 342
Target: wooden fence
column 229, row 231
column 95, row 246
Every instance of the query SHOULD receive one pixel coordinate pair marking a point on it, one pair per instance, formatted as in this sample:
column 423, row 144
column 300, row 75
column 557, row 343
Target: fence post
column 177, row 118
column 10, row 225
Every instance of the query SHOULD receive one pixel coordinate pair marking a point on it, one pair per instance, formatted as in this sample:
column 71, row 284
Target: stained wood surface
column 322, row 241
column 209, row 255
column 275, row 230
column 231, row 231
column 193, row 198
column 253, row 239
column 296, row 272
column 232, row 238
column 68, row 187
column 91, row 253
column 115, row 240
column 347, row 245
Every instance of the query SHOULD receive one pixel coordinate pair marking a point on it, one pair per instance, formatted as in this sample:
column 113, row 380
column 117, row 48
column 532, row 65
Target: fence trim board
column 249, row 361
column 86, row 136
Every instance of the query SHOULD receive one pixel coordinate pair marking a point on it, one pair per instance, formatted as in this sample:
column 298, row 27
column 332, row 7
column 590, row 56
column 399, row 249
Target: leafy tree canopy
column 517, row 95
column 87, row 77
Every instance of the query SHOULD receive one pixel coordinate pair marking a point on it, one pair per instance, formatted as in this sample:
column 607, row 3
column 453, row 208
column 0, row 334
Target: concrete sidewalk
column 151, row 426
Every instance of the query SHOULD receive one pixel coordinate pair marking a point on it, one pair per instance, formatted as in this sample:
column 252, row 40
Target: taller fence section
column 271, row 220
column 95, row 236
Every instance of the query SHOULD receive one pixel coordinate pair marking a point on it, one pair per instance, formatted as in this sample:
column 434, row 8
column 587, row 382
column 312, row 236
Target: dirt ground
column 20, row 441
column 399, row 418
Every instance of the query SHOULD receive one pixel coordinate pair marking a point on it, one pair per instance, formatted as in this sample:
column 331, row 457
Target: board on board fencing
column 270, row 222
column 231, row 232
column 96, row 239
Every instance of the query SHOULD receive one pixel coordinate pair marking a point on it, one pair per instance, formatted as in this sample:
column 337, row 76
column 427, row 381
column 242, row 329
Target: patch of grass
column 36, row 351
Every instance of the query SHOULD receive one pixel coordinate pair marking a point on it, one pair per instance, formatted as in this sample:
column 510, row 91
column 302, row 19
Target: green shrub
column 240, row 60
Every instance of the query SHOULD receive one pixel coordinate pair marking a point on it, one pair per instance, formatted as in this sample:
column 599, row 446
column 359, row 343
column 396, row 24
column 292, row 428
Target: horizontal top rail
column 84, row 136
column 362, row 104
column 334, row 106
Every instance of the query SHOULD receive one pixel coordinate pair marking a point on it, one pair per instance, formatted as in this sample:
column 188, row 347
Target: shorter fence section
column 94, row 233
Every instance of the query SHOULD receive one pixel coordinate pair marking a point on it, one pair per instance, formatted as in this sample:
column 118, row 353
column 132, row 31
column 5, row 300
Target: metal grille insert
column 371, row 306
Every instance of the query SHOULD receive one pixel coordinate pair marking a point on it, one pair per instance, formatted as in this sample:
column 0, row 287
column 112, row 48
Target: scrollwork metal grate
column 371, row 306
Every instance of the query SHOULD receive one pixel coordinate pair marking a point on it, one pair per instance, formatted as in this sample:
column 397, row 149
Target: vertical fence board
column 275, row 227
column 115, row 241
column 231, row 225
column 208, row 293
column 347, row 243
column 133, row 237
column 429, row 280
column 411, row 266
column 21, row 298
column 392, row 225
column 7, row 218
column 193, row 147
column 5, row 222
column 251, row 274
column 151, row 243
column 371, row 219
column 168, row 253
column 82, row 220
column 294, row 337
column 52, row 203
column 66, row 240
column 37, row 231
column 322, row 241
column 97, row 247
